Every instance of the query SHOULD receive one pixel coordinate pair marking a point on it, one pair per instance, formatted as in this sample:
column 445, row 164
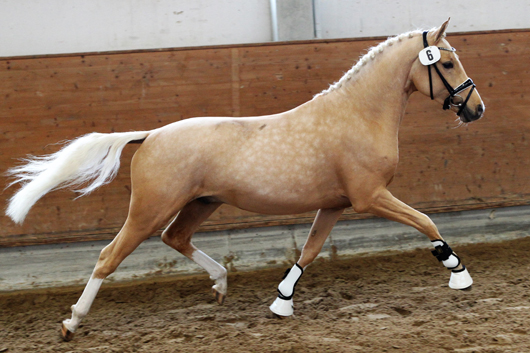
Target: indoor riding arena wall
column 443, row 168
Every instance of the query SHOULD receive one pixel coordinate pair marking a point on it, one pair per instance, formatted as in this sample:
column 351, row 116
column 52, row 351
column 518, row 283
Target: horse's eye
column 448, row 65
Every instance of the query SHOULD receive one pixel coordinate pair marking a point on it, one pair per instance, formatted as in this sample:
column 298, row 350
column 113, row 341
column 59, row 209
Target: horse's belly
column 280, row 199
column 278, row 182
column 283, row 207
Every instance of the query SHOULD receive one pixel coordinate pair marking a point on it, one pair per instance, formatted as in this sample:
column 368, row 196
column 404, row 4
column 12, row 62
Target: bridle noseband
column 450, row 100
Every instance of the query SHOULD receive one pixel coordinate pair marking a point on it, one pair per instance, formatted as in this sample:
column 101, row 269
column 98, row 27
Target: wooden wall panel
column 44, row 100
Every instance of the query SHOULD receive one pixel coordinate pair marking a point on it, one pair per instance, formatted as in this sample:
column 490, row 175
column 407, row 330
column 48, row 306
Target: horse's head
column 438, row 73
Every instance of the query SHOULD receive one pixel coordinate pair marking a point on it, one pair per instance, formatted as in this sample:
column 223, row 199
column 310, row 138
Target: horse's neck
column 380, row 90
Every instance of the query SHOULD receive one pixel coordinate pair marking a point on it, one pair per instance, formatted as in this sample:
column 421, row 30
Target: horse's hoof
column 219, row 297
column 66, row 334
column 282, row 307
column 460, row 279
column 280, row 317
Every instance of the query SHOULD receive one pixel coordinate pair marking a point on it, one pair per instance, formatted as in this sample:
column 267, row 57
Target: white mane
column 367, row 58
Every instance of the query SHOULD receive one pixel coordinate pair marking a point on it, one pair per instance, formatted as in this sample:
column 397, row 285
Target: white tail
column 93, row 158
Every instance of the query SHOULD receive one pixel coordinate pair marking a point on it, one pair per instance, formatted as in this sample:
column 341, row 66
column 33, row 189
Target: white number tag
column 430, row 55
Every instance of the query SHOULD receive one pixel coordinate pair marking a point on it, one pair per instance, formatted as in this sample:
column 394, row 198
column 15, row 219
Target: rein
column 453, row 93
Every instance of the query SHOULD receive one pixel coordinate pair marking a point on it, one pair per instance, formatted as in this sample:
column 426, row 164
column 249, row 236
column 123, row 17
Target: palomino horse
column 338, row 150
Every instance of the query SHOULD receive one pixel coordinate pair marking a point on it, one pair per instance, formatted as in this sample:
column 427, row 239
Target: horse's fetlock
column 79, row 313
column 220, row 274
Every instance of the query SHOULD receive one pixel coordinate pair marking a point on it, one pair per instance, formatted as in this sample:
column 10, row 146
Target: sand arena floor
column 385, row 303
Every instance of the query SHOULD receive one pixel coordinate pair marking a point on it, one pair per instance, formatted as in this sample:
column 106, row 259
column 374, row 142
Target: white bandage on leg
column 283, row 305
column 286, row 287
column 451, row 262
column 81, row 308
column 214, row 269
column 445, row 254
column 460, row 279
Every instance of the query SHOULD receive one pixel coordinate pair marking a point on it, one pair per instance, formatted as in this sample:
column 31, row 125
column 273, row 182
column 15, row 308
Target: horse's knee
column 219, row 274
column 425, row 225
column 429, row 226
column 104, row 269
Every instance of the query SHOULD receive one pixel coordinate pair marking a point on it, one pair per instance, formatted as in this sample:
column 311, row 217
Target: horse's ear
column 439, row 33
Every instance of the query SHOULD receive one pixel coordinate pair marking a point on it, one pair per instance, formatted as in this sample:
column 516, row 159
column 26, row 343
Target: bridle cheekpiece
column 429, row 56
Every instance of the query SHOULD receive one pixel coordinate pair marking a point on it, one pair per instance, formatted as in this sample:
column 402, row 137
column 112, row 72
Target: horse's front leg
column 324, row 222
column 384, row 204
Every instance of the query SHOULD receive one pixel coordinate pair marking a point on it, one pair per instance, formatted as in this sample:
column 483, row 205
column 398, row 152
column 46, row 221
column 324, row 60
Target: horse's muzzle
column 468, row 115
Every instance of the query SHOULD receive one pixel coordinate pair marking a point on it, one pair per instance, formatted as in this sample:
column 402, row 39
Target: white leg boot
column 460, row 279
column 283, row 305
column 81, row 308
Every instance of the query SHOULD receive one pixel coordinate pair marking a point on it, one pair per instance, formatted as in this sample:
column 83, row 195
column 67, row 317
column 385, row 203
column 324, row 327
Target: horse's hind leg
column 142, row 222
column 387, row 206
column 178, row 236
column 322, row 226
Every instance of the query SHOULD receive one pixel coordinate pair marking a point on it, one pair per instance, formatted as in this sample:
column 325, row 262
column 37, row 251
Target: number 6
column 429, row 55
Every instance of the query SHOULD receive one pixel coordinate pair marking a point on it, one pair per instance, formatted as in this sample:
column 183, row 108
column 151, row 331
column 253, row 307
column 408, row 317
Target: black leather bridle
column 453, row 93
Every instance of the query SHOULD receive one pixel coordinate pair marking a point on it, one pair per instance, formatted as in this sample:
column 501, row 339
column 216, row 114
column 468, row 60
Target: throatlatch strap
column 425, row 45
column 425, row 42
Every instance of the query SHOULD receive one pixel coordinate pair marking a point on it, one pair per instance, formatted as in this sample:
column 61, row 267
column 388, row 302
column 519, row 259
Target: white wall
column 31, row 27
column 367, row 18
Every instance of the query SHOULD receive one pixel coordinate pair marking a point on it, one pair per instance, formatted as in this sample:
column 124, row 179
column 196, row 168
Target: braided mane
column 365, row 59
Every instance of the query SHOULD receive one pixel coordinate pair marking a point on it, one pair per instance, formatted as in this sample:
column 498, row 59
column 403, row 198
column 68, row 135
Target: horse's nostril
column 480, row 109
